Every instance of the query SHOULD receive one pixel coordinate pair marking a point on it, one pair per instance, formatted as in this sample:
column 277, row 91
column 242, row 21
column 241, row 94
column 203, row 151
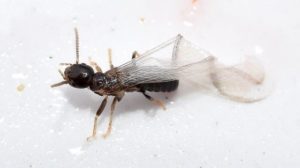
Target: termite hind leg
column 95, row 65
column 112, row 109
column 135, row 54
column 99, row 111
column 157, row 102
column 110, row 58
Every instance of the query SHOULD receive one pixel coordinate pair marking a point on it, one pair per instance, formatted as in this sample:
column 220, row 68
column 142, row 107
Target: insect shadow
column 89, row 102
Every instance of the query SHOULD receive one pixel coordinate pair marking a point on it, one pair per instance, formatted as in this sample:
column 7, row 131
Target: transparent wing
column 179, row 59
column 245, row 82
column 166, row 62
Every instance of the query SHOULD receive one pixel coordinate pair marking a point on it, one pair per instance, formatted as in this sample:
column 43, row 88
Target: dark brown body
column 108, row 83
column 159, row 87
column 116, row 81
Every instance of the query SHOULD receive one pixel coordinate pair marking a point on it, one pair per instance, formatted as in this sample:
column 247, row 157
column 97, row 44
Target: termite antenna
column 77, row 45
column 65, row 64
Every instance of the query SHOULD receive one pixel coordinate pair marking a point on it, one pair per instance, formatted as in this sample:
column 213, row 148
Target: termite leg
column 110, row 58
column 157, row 102
column 62, row 74
column 95, row 65
column 135, row 54
column 100, row 110
column 60, row 83
column 112, row 108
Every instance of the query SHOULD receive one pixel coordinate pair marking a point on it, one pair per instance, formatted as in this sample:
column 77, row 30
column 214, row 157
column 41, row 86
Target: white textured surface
column 43, row 127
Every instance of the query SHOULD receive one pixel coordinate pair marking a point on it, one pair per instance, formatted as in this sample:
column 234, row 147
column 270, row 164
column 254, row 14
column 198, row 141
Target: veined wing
column 171, row 60
column 179, row 59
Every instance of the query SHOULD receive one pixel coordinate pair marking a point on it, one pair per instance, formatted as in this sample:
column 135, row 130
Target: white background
column 44, row 127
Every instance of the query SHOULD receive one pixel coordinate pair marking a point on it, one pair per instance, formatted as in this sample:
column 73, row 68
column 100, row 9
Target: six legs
column 113, row 105
column 104, row 101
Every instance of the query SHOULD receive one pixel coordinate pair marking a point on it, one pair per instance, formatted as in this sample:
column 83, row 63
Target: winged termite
column 162, row 69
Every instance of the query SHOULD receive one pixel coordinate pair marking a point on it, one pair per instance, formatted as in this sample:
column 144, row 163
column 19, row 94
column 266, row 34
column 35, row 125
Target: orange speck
column 194, row 1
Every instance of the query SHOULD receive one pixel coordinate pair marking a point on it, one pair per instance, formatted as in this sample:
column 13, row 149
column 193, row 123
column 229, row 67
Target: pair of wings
column 179, row 59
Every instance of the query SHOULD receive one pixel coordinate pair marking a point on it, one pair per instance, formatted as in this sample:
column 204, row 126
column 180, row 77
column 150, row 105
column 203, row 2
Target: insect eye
column 84, row 74
column 100, row 83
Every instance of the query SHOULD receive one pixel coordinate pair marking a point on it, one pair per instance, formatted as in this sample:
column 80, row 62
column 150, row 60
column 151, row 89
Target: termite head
column 79, row 75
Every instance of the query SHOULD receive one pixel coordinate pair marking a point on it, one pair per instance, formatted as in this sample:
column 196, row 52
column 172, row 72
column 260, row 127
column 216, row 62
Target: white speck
column 76, row 151
column 92, row 16
column 51, row 131
column 4, row 55
column 29, row 66
column 49, row 152
column 74, row 20
column 153, row 21
column 3, row 142
column 192, row 13
column 259, row 50
column 188, row 24
column 19, row 76
column 56, row 92
column 1, row 120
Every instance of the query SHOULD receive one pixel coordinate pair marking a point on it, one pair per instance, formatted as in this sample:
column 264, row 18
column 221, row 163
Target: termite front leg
column 60, row 83
column 100, row 110
column 112, row 109
column 157, row 102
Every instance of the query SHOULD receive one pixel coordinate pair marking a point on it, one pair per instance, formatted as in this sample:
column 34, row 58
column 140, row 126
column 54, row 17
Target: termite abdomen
column 160, row 87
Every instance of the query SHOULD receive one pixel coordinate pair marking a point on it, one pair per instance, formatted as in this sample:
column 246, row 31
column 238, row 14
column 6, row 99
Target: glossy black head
column 79, row 75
